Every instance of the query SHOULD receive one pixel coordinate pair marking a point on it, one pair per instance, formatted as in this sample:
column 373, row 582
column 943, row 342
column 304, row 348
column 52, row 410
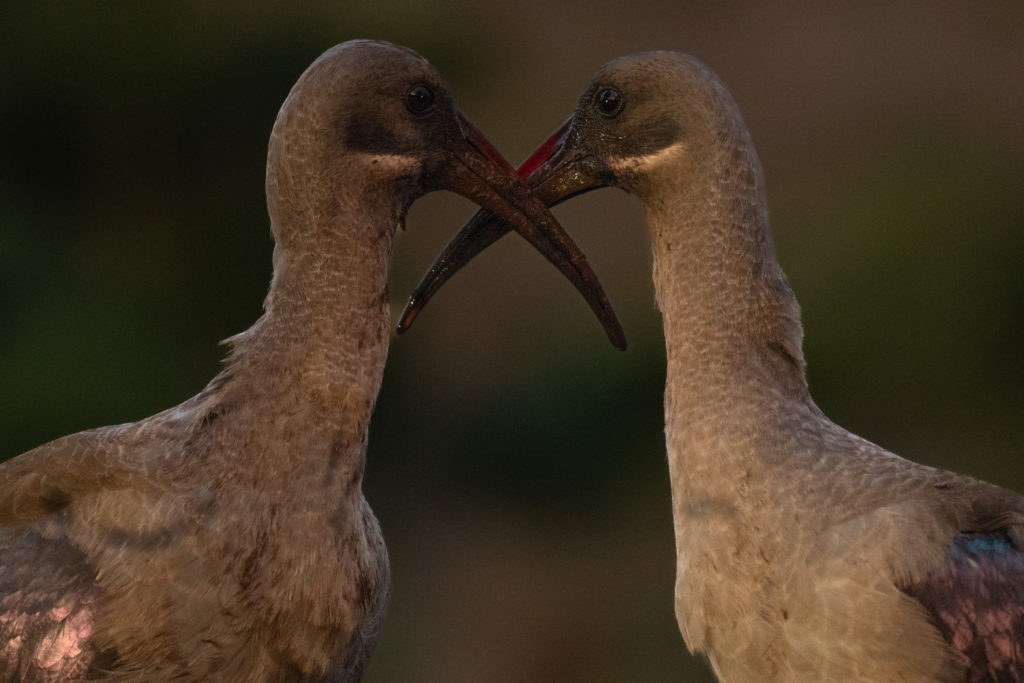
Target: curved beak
column 477, row 171
column 555, row 172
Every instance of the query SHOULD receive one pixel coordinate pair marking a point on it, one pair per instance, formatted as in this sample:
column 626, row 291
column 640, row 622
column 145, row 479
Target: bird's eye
column 419, row 99
column 609, row 102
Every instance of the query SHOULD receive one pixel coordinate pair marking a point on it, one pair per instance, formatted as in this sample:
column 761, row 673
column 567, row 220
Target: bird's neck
column 732, row 325
column 318, row 352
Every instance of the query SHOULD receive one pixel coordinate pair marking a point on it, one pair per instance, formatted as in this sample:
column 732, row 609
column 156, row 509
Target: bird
column 228, row 538
column 803, row 551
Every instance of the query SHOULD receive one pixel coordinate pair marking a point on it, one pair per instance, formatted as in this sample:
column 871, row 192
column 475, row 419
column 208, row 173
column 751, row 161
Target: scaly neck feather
column 732, row 324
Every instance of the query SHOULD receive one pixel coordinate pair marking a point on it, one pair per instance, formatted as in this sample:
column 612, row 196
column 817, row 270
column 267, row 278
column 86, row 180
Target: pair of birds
column 228, row 538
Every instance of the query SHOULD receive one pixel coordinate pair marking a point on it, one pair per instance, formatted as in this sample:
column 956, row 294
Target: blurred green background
column 516, row 459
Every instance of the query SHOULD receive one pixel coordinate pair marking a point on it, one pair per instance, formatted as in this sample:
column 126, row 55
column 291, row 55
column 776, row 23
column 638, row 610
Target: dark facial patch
column 368, row 134
column 654, row 136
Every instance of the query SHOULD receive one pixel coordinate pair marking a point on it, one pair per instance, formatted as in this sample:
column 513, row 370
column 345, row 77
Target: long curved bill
column 553, row 177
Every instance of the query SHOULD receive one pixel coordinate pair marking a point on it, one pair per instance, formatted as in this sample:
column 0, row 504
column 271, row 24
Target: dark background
column 516, row 460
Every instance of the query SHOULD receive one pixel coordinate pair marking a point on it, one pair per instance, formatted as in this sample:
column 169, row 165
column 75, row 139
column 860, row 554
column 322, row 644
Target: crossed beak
column 554, row 173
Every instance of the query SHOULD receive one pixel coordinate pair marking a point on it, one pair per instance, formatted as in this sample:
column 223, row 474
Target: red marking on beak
column 547, row 150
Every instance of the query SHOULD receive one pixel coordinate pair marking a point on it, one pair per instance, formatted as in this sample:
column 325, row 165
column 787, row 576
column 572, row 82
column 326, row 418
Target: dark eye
column 419, row 99
column 609, row 102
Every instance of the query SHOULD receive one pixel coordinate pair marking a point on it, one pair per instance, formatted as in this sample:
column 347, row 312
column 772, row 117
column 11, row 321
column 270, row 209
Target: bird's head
column 639, row 117
column 371, row 126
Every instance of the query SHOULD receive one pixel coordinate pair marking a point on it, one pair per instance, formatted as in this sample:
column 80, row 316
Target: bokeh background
column 516, row 459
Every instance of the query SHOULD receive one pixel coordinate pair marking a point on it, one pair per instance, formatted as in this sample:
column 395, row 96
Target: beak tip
column 618, row 338
column 406, row 319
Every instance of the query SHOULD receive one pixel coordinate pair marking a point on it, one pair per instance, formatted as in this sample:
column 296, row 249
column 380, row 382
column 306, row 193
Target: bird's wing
column 46, row 479
column 52, row 565
column 844, row 616
column 977, row 602
column 49, row 593
column 975, row 597
column 49, row 601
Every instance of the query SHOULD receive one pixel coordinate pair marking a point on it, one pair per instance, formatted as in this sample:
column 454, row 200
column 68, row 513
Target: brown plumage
column 804, row 553
column 227, row 538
